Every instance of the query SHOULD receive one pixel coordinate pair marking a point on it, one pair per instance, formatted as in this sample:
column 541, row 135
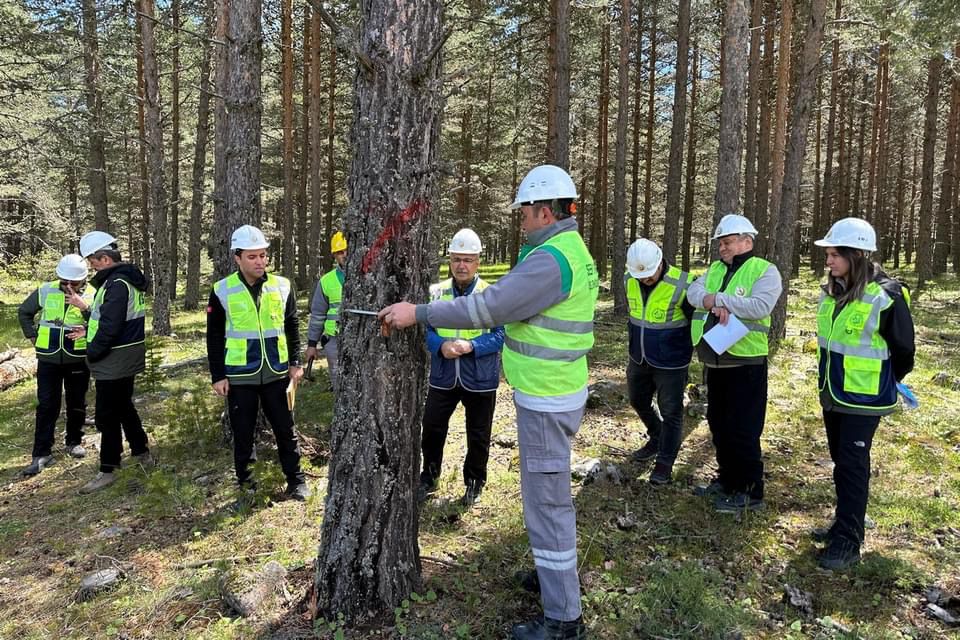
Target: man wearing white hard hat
column 746, row 286
column 546, row 303
column 61, row 366
column 324, row 326
column 116, row 353
column 253, row 340
column 464, row 369
column 865, row 348
column 659, row 353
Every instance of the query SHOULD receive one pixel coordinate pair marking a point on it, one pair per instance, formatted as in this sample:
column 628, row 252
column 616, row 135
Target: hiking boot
column 528, row 580
column 662, row 474
column 300, row 491
column 99, row 481
column 37, row 464
column 145, row 460
column 471, row 494
column 737, row 502
column 543, row 628
column 822, row 534
column 76, row 451
column 708, row 490
column 646, row 452
column 425, row 490
column 840, row 555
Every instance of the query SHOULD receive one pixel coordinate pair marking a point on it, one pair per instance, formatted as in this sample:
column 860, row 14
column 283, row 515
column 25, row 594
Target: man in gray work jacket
column 547, row 304
column 746, row 286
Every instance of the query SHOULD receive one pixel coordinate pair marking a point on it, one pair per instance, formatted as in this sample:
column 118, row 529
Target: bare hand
column 296, row 373
column 221, row 387
column 399, row 316
column 311, row 354
column 709, row 301
column 449, row 350
column 723, row 315
column 464, row 346
column 76, row 299
column 77, row 332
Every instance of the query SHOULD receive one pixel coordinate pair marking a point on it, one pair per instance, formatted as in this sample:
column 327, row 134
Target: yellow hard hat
column 338, row 242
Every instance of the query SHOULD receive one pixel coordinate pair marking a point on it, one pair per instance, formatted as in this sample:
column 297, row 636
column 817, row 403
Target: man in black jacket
column 116, row 353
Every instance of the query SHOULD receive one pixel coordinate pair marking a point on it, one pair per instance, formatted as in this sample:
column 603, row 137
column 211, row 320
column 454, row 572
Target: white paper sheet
column 723, row 336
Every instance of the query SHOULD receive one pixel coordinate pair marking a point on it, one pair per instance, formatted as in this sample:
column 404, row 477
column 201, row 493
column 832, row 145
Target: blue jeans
column 665, row 421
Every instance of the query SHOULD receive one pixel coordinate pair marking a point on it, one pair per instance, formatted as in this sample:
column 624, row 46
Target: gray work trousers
column 330, row 351
column 548, row 511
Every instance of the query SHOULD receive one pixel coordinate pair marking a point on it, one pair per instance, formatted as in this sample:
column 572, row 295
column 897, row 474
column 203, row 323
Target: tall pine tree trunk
column 331, row 131
column 753, row 100
column 925, row 231
column 369, row 559
column 304, row 250
column 947, row 178
column 96, row 158
column 768, row 239
column 651, row 121
column 558, row 119
column 826, row 207
column 671, row 220
column 286, row 102
column 318, row 252
column 617, row 287
column 691, row 163
column 175, row 150
column 762, row 191
column 732, row 104
column 637, row 97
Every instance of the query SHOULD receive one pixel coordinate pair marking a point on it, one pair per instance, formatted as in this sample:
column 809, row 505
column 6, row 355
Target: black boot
column 543, row 628
column 841, row 554
column 472, row 493
column 647, row 451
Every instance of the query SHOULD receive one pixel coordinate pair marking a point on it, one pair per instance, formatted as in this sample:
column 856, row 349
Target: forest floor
column 681, row 570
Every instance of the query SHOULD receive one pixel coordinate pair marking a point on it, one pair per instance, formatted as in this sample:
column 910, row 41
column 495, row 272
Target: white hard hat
column 643, row 258
column 850, row 232
column 734, row 223
column 465, row 241
column 94, row 241
column 546, row 182
column 248, row 237
column 72, row 267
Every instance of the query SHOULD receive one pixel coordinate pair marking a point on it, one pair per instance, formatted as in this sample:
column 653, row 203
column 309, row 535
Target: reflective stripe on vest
column 545, row 356
column 754, row 344
column 854, row 335
column 134, row 328
column 332, row 285
column 444, row 291
column 254, row 335
column 55, row 315
column 663, row 308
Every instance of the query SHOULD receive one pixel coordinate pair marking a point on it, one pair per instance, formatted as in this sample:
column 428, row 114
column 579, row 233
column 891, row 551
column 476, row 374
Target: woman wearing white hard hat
column 61, row 366
column 865, row 347
column 659, row 353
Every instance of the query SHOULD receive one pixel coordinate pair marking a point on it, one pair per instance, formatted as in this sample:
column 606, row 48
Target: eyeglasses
column 467, row 261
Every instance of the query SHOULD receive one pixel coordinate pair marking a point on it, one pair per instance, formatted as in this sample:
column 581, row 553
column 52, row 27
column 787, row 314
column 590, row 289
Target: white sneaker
column 99, row 481
column 76, row 451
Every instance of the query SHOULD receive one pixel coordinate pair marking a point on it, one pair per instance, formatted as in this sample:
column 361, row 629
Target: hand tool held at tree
column 384, row 327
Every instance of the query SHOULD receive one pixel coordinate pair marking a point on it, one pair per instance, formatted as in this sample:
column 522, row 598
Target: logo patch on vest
column 740, row 292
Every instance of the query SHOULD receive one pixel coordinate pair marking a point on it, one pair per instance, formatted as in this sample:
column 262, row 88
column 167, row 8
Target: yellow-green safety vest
column 853, row 356
column 254, row 336
column 134, row 329
column 754, row 344
column 57, row 318
column 546, row 355
column 332, row 285
column 444, row 291
column 664, row 305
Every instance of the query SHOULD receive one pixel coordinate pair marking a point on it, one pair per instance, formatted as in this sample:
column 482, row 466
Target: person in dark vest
column 660, row 351
column 464, row 369
column 116, row 353
column 61, row 361
column 746, row 286
column 253, row 339
column 325, row 311
column 865, row 348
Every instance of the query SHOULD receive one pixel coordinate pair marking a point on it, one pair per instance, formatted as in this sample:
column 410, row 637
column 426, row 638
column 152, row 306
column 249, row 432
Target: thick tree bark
column 598, row 221
column 768, row 226
column 753, row 99
column 637, row 97
column 826, row 206
column 947, row 178
column 925, row 231
column 558, row 134
column 289, row 175
column 145, row 244
column 955, row 108
column 878, row 114
column 762, row 192
column 515, row 150
column 218, row 242
column 691, row 163
column 191, row 297
column 96, row 158
column 671, row 216
column 369, row 559
column 159, row 268
column 175, row 149
column 318, row 250
column 793, row 162
column 617, row 287
column 732, row 105
column 303, row 238
column 651, row 121
column 331, row 132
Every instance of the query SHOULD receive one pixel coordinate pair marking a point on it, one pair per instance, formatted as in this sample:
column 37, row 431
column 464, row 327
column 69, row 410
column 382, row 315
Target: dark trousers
column 850, row 438
column 665, row 421
column 116, row 414
column 245, row 401
column 736, row 410
column 440, row 405
column 52, row 381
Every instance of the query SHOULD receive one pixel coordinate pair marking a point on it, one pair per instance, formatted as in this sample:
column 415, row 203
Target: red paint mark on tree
column 392, row 228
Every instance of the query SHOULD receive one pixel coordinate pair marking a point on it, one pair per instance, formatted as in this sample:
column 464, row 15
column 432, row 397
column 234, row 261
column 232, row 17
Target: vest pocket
column 236, row 352
column 861, row 375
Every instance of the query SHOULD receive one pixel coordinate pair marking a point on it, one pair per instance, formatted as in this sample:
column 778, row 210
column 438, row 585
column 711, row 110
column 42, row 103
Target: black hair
column 559, row 206
column 110, row 252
